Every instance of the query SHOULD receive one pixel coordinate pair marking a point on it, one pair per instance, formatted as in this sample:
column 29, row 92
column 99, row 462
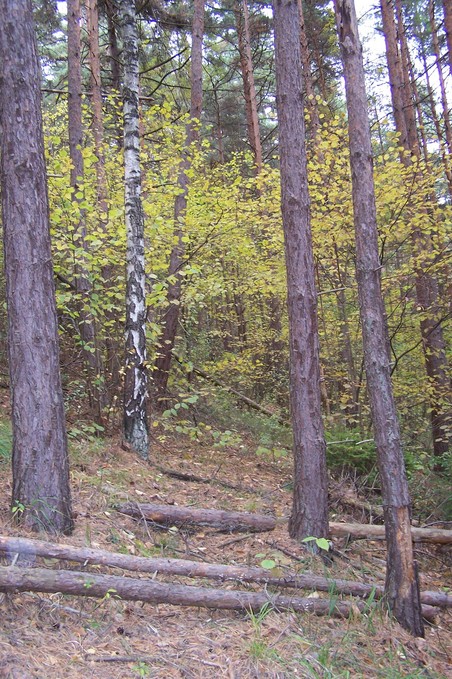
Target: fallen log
column 171, row 515
column 14, row 579
column 192, row 569
column 183, row 517
column 74, row 583
column 372, row 532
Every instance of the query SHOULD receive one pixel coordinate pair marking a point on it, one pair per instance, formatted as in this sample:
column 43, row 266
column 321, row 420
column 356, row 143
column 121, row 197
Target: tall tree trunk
column 111, row 12
column 135, row 381
column 87, row 325
column 41, row 492
column 448, row 28
column 350, row 387
column 442, row 85
column 171, row 318
column 249, row 88
column 112, row 350
column 445, row 154
column 310, row 499
column 311, row 102
column 402, row 585
column 395, row 69
column 427, row 293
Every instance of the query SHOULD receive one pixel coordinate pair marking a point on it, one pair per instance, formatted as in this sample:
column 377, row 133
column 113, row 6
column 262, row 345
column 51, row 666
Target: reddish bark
column 310, row 499
column 402, row 584
column 170, row 515
column 249, row 87
column 41, row 491
column 13, row 579
column 201, row 569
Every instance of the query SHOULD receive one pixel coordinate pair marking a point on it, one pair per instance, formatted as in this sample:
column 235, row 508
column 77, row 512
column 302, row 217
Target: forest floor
column 55, row 636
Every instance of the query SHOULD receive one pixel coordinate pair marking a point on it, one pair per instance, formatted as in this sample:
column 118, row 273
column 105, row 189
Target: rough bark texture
column 170, row 515
column 171, row 318
column 402, row 584
column 249, row 88
column 135, row 381
column 83, row 284
column 200, row 569
column 13, row 579
column 40, row 462
column 310, row 500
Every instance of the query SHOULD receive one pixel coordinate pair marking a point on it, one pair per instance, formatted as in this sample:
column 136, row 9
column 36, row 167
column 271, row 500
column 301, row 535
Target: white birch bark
column 135, row 385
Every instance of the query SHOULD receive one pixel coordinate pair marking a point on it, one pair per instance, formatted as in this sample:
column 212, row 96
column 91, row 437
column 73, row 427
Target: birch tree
column 135, row 381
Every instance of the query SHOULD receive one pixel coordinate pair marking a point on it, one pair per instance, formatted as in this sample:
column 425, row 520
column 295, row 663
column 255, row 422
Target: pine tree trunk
column 448, row 28
column 171, row 318
column 427, row 293
column 445, row 154
column 310, row 499
column 402, row 585
column 311, row 102
column 111, row 12
column 41, row 492
column 135, row 381
column 442, row 85
column 249, row 88
column 111, row 345
column 87, row 324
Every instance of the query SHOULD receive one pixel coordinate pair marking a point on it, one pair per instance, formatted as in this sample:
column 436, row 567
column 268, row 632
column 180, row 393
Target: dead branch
column 74, row 583
column 171, row 515
column 371, row 532
column 241, row 397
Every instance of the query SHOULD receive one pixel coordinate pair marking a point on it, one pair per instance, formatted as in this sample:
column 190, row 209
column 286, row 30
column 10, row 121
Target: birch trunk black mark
column 310, row 498
column 41, row 492
column 135, row 380
column 402, row 584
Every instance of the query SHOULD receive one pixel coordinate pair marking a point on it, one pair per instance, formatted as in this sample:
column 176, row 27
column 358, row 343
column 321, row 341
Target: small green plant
column 85, row 432
column 17, row 509
column 317, row 543
column 141, row 669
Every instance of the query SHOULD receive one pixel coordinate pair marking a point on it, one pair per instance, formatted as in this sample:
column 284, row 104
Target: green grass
column 6, row 441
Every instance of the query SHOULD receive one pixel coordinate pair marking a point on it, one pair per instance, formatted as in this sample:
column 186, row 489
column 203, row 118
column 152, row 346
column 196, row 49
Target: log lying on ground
column 192, row 569
column 171, row 515
column 371, row 532
column 14, row 579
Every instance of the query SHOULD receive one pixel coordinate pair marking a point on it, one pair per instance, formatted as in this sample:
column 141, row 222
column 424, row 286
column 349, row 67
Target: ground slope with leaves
column 56, row 636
